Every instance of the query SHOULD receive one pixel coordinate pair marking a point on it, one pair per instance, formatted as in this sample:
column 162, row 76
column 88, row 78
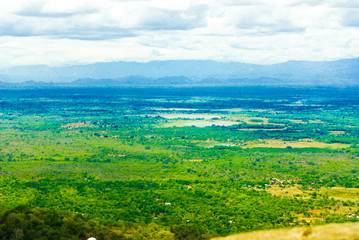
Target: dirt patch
column 337, row 132
column 197, row 123
column 209, row 123
column 116, row 155
column 193, row 160
column 303, row 143
column 189, row 116
column 76, row 125
column 291, row 191
column 252, row 120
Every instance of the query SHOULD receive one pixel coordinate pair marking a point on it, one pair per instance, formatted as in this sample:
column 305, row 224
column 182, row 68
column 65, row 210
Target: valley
column 199, row 162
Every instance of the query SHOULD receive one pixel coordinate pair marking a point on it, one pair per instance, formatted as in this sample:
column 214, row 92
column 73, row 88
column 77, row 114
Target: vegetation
column 177, row 163
column 24, row 223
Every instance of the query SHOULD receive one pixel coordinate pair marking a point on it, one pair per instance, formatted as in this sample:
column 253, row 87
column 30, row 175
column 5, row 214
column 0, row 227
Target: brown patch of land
column 296, row 121
column 261, row 129
column 188, row 116
column 116, row 155
column 197, row 123
column 316, row 121
column 251, row 120
column 337, row 132
column 193, row 160
column 288, row 191
column 76, row 125
column 301, row 143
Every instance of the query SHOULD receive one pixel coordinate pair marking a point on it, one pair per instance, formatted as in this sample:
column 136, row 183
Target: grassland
column 349, row 231
column 341, row 193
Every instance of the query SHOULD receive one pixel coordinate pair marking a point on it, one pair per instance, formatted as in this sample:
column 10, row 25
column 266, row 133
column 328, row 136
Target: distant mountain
column 130, row 81
column 115, row 70
column 188, row 72
column 89, row 82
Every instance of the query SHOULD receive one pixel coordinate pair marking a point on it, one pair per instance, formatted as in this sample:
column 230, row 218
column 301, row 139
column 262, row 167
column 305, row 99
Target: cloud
column 264, row 20
column 38, row 11
column 107, row 21
column 242, row 2
column 61, row 28
column 331, row 3
column 345, row 3
column 51, row 9
column 350, row 18
column 99, row 33
column 257, row 31
column 165, row 19
column 307, row 2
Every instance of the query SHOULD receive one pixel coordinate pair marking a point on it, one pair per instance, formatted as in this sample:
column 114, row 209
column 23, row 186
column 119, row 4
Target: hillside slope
column 348, row 231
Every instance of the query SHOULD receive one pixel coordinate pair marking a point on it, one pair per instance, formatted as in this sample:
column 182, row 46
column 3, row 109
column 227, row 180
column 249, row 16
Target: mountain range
column 343, row 72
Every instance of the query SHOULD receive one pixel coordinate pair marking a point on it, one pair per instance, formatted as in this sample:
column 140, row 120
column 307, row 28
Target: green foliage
column 22, row 222
column 183, row 232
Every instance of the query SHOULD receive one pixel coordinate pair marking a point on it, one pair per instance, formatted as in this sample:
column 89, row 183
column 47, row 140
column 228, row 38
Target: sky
column 67, row 32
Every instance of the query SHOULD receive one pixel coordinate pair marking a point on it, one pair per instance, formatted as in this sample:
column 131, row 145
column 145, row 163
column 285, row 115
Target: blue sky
column 69, row 32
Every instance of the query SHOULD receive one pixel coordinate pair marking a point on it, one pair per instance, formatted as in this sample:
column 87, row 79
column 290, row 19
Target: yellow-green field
column 197, row 123
column 341, row 193
column 338, row 193
column 272, row 143
column 348, row 231
column 288, row 191
column 252, row 120
column 305, row 122
column 188, row 116
column 337, row 132
column 302, row 143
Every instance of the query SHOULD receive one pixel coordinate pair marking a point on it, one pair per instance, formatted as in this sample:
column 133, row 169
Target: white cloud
column 55, row 9
column 81, row 31
column 267, row 20
column 164, row 19
column 350, row 18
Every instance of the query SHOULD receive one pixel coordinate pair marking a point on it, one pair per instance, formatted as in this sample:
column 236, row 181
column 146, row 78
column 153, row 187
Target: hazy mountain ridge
column 187, row 72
